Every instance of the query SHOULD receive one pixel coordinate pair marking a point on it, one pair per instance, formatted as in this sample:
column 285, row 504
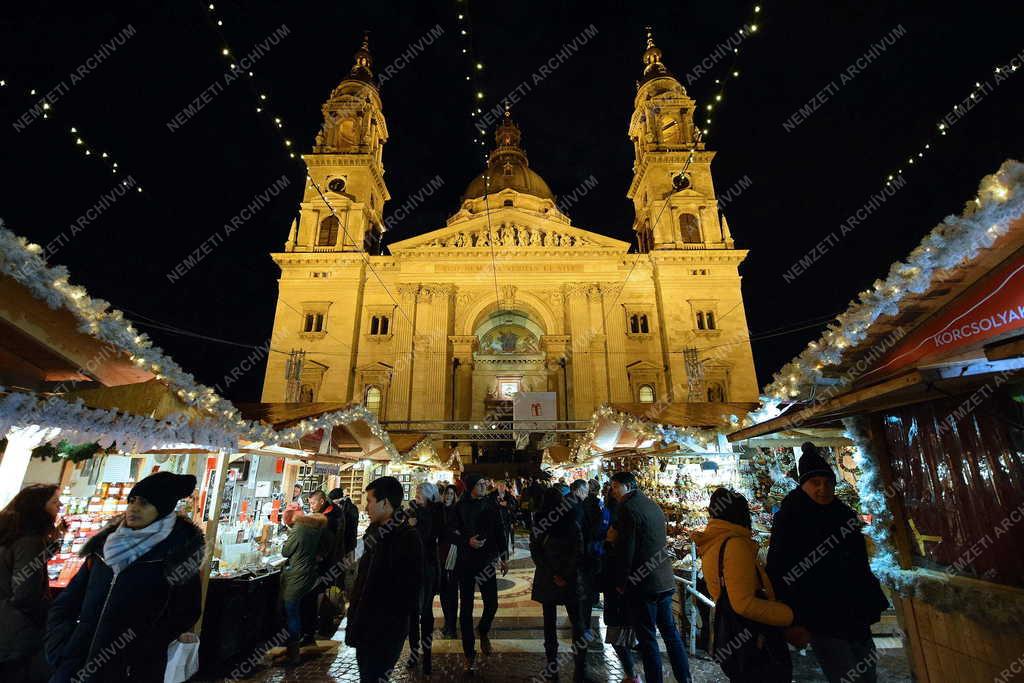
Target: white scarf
column 126, row 545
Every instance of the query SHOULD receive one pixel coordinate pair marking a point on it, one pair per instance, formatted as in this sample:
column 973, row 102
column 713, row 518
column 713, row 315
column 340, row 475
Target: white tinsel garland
column 22, row 261
column 957, row 239
column 992, row 608
column 132, row 433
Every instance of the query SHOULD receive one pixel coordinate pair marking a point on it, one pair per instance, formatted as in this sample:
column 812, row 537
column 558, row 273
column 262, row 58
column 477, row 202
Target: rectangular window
column 314, row 322
column 379, row 325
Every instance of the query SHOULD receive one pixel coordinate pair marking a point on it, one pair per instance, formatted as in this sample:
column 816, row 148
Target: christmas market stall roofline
column 924, row 371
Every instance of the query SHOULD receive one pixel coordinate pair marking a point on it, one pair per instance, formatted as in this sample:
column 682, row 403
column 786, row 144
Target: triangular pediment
column 507, row 236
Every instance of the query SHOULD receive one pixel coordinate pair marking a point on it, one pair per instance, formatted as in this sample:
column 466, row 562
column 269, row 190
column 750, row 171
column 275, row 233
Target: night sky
column 802, row 183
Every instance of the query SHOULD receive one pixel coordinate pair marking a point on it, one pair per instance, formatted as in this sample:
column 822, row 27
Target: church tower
column 672, row 191
column 347, row 165
column 693, row 260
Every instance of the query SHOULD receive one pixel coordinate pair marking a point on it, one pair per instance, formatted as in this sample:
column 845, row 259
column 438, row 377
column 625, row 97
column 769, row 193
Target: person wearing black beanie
column 818, row 563
column 140, row 575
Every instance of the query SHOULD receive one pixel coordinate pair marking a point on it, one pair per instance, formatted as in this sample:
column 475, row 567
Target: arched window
column 716, row 393
column 634, row 324
column 644, row 327
column 689, row 229
column 700, row 320
column 373, row 400
column 375, row 325
column 710, row 318
column 646, row 393
column 306, row 393
column 328, row 236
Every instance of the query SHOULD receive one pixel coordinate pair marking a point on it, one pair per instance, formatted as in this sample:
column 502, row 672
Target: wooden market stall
column 926, row 372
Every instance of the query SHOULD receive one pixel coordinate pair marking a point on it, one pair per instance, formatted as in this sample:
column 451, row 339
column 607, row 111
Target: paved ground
column 518, row 651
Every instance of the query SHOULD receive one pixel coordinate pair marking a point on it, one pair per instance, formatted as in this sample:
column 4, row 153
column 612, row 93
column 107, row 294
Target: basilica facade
column 509, row 295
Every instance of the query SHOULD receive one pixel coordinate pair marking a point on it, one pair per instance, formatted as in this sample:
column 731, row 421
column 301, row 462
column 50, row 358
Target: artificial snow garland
column 957, row 239
column 939, row 590
column 22, row 261
column 137, row 433
column 698, row 440
column 133, row 433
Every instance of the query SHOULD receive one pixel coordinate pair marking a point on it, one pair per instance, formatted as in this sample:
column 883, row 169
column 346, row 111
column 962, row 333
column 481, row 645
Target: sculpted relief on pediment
column 509, row 236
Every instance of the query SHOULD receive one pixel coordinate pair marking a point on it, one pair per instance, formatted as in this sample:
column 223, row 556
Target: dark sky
column 803, row 183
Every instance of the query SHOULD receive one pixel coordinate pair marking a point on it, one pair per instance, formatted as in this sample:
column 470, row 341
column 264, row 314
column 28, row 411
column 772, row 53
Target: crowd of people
column 592, row 546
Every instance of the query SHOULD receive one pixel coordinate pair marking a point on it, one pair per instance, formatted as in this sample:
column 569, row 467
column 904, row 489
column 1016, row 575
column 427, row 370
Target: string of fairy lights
column 475, row 72
column 263, row 107
column 980, row 89
column 263, row 101
column 44, row 109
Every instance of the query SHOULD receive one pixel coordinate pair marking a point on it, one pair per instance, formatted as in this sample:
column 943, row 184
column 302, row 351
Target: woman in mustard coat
column 750, row 597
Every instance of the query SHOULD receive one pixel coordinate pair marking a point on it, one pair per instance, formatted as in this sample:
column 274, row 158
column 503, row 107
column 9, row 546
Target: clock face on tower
column 337, row 185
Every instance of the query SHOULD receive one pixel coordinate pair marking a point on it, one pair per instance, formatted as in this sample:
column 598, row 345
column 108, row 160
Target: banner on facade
column 534, row 405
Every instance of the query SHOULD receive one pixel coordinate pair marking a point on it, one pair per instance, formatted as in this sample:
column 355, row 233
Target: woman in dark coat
column 448, row 537
column 425, row 517
column 136, row 592
column 619, row 632
column 27, row 538
column 556, row 545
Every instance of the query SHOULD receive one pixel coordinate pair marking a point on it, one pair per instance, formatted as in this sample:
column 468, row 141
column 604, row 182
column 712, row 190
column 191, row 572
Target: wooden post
column 899, row 532
column 216, row 497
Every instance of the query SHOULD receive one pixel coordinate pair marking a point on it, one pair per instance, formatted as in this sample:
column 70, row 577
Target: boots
column 292, row 656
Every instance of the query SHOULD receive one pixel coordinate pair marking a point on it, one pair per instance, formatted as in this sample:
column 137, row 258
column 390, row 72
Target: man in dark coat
column 556, row 545
column 643, row 575
column 818, row 564
column 483, row 545
column 351, row 514
column 386, row 592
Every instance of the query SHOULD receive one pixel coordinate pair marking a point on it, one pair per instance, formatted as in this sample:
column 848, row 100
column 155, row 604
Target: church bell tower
column 672, row 191
column 346, row 164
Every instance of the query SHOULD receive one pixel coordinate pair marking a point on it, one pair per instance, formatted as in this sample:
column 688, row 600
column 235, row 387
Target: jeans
column 468, row 581
column 846, row 660
column 650, row 616
column 450, row 599
column 582, row 635
column 376, row 661
column 293, row 619
column 625, row 656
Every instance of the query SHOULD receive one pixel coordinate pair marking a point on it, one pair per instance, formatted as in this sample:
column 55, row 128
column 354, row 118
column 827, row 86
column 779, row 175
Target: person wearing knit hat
column 818, row 564
column 140, row 574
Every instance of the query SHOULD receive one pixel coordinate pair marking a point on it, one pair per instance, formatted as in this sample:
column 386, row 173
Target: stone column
column 615, row 329
column 556, row 348
column 431, row 348
column 401, row 382
column 578, row 315
column 598, row 347
column 462, row 347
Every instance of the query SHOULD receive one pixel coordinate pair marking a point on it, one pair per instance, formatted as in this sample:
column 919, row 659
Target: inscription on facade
column 510, row 268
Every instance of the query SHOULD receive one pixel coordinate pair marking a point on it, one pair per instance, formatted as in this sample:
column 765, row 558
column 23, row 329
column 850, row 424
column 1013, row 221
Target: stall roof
column 53, row 331
column 896, row 345
column 152, row 398
column 356, row 439
column 708, row 415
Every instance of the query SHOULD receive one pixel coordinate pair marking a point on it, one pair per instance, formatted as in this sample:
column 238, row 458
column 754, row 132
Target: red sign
column 992, row 310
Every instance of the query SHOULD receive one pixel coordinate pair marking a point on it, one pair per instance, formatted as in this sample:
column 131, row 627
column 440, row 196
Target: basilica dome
column 508, row 168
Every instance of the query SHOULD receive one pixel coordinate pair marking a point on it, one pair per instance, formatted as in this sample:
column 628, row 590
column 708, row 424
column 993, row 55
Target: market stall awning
column 616, row 424
column 351, row 438
column 696, row 414
column 42, row 347
column 950, row 314
column 153, row 398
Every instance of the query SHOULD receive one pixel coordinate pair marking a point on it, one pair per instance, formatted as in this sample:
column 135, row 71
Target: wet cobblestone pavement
column 517, row 639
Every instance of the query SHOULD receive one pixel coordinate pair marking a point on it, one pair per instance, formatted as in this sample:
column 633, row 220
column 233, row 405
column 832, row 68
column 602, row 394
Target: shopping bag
column 453, row 554
column 182, row 658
